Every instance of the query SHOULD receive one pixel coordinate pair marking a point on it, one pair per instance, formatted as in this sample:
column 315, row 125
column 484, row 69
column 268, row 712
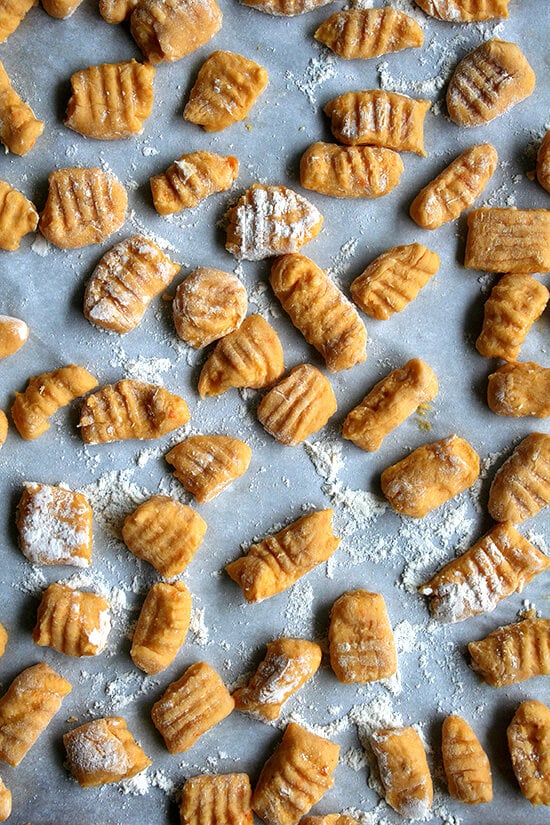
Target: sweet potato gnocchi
column 378, row 118
column 529, row 745
column 207, row 464
column 295, row 777
column 13, row 334
column 167, row 30
column 61, row 9
column 287, row 666
column 161, row 627
column 19, row 128
column 508, row 240
column 45, row 394
column 466, row 764
column 298, row 406
column 12, row 13
column 513, row 653
column 54, row 525
column 165, row 533
column 521, row 486
column 216, row 799
column 499, row 564
column 464, row 11
column 27, row 708
column 390, row 402
column 278, row 561
column 191, row 179
column 363, row 33
column 116, row 11
column 404, row 771
column 125, row 281
column 3, row 427
column 456, row 188
column 83, row 207
column 18, row 217
column 191, row 706
column 5, row 801
column 103, row 751
column 325, row 317
column 430, row 476
column 350, row 171
column 361, row 644
column 252, row 356
column 208, row 305
column 394, row 279
column 226, row 88
column 270, row 220
column 73, row 622
column 515, row 303
column 286, row 8
column 131, row 409
column 111, row 101
column 520, row 389
column 543, row 163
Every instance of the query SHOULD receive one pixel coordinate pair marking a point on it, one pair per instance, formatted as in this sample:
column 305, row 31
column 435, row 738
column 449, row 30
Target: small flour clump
column 113, row 497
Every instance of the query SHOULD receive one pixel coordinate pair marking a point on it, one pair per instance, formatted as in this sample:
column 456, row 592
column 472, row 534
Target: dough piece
column 12, row 13
column 278, row 561
column 5, row 802
column 364, row 33
column 288, row 8
column 116, row 11
column 508, row 240
column 103, row 751
column 466, row 764
column 521, row 486
column 288, row 665
column 191, row 179
column 268, row 221
column 165, row 533
column 45, row 394
column 394, row 279
column 543, row 163
column 430, row 476
column 361, row 643
column 464, row 11
column 207, row 464
column 19, row 128
column 378, row 118
column 124, row 283
column 27, row 708
column 111, row 101
column 499, row 564
column 3, row 639
column 84, row 206
column 390, row 402
column 167, row 30
column 325, row 317
column 161, row 627
column 297, row 406
column 72, row 621
column 513, row 306
column 61, row 9
column 55, row 525
column 3, row 427
column 13, row 334
column 519, row 390
column 251, row 356
column 529, row 745
column 131, row 409
column 456, row 188
column 404, row 771
column 208, row 305
column 295, row 777
column 18, row 217
column 330, row 819
column 513, row 653
column 487, row 82
column 216, row 799
column 226, row 88
column 189, row 707
column 350, row 171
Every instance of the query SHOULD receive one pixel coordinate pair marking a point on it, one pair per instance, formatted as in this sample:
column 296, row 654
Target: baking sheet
column 379, row 550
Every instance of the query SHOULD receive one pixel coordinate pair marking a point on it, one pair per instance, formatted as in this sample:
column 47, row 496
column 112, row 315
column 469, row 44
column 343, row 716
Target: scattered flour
column 113, row 496
column 318, row 71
